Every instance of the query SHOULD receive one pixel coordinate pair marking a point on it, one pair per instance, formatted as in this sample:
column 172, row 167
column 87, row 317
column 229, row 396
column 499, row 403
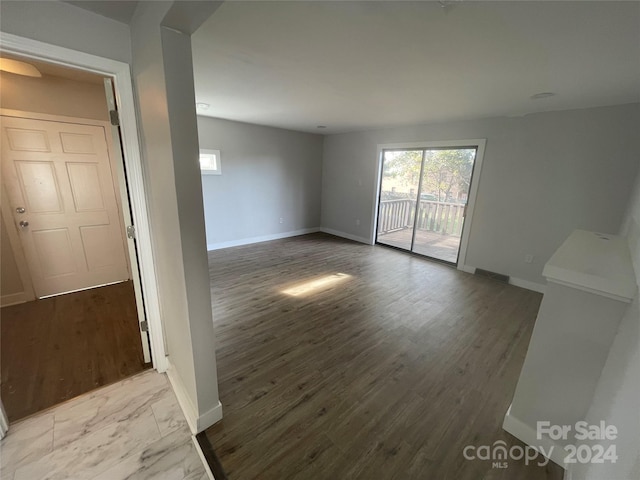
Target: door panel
column 21, row 140
column 54, row 252
column 39, row 186
column 97, row 246
column 85, row 186
column 75, row 143
column 60, row 174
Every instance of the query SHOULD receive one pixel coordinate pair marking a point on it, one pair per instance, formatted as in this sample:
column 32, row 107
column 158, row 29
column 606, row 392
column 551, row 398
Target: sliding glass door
column 401, row 172
column 423, row 198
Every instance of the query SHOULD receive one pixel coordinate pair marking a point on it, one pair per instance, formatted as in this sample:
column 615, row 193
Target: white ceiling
column 355, row 65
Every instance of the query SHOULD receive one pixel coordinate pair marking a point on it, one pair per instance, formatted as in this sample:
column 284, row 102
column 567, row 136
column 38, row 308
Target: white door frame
column 479, row 144
column 121, row 74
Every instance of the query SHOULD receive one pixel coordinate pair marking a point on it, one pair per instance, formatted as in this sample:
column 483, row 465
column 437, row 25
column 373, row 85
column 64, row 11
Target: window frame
column 206, row 171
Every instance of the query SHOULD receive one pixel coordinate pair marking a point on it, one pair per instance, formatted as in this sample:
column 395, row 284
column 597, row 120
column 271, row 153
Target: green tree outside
column 446, row 174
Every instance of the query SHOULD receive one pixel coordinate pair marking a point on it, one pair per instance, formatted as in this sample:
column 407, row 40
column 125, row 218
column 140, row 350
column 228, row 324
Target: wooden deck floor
column 385, row 371
column 431, row 244
column 60, row 347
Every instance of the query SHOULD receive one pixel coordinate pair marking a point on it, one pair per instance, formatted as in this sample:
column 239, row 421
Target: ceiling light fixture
column 540, row 95
column 19, row 68
column 202, row 106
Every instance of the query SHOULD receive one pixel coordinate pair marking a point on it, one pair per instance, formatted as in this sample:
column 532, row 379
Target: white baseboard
column 263, row 238
column 348, row 236
column 14, row 299
column 528, row 435
column 197, row 423
column 188, row 409
column 536, row 287
column 467, row 268
column 517, row 282
column 210, row 417
column 205, row 464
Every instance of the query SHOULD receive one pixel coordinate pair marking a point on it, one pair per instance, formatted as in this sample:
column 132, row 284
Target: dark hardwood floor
column 387, row 371
column 60, row 347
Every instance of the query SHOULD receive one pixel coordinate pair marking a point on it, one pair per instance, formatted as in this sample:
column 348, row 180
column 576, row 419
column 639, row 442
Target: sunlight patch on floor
column 313, row 286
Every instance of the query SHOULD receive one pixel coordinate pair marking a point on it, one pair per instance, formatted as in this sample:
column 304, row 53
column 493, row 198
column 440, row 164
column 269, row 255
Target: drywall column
column 617, row 394
column 184, row 140
column 163, row 78
column 590, row 286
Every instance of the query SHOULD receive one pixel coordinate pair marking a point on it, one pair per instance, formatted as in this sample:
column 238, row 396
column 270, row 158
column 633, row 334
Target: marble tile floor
column 133, row 429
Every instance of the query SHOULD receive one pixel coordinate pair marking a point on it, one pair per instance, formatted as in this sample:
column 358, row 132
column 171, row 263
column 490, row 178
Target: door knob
column 20, row 210
column 24, row 224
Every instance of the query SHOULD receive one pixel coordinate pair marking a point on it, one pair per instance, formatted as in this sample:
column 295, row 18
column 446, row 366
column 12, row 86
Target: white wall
column 544, row 175
column 54, row 96
column 617, row 397
column 267, row 174
column 67, row 26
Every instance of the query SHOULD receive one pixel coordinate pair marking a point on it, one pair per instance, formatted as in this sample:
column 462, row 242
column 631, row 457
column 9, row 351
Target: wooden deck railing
column 395, row 215
column 440, row 217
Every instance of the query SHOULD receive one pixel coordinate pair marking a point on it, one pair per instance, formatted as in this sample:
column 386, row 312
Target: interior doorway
column 73, row 316
column 63, row 198
column 422, row 199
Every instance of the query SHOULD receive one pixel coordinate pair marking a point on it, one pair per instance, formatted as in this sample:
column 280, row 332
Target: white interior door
column 62, row 196
column 128, row 219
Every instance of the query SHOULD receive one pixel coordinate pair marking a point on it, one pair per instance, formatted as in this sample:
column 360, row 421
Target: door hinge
column 144, row 326
column 115, row 118
column 131, row 231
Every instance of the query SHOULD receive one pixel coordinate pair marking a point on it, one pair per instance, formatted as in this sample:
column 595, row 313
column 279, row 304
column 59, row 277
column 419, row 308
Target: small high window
column 210, row 162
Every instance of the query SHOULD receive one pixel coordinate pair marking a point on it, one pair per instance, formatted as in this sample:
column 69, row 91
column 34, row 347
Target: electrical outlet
column 357, row 221
column 281, row 220
column 528, row 258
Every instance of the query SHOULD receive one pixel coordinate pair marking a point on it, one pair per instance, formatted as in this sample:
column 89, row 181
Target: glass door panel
column 446, row 178
column 401, row 170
